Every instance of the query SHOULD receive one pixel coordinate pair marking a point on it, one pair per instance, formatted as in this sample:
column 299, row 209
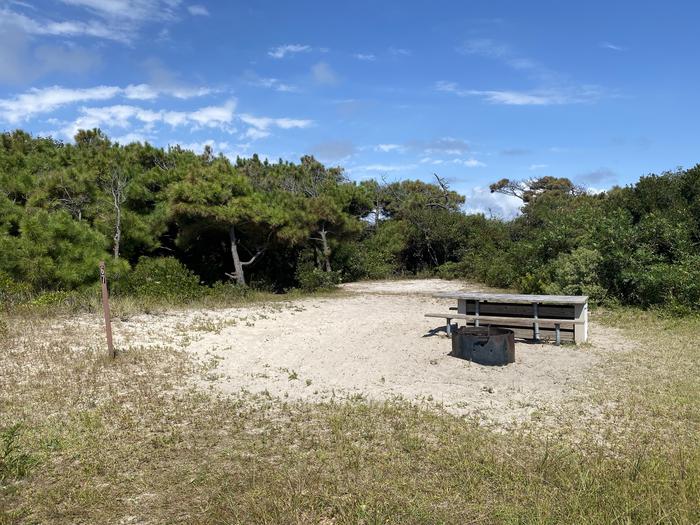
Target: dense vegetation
column 170, row 221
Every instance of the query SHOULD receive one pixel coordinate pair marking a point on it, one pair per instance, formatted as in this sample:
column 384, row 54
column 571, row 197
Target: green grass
column 130, row 442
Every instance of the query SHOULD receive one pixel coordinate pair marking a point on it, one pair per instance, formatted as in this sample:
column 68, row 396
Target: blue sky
column 600, row 92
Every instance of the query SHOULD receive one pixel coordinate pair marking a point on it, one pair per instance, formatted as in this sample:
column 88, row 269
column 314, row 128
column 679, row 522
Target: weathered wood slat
column 514, row 298
column 521, row 310
column 516, row 321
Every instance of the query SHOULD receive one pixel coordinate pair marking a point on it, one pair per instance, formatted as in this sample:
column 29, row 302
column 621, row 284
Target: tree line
column 157, row 213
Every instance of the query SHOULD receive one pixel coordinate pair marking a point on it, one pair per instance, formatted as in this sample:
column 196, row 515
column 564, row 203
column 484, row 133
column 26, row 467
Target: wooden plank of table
column 514, row 298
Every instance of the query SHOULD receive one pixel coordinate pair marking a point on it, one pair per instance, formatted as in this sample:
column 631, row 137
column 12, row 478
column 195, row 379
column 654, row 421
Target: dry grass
column 131, row 441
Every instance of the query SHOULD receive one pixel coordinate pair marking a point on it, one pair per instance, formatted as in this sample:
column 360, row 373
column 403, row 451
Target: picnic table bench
column 554, row 317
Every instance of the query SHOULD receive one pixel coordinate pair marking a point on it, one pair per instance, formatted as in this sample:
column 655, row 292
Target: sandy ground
column 372, row 342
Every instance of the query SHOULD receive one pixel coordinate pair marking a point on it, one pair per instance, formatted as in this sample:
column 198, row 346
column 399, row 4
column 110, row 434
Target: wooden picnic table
column 547, row 315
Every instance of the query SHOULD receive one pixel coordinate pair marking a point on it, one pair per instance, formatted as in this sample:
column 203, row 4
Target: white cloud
column 322, row 73
column 481, row 200
column 365, row 56
column 198, row 10
column 123, row 116
column 608, row 45
column 399, row 51
column 198, row 147
column 386, row 148
column 255, row 134
column 264, row 123
column 545, row 97
column 271, row 83
column 534, row 167
column 469, row 163
column 214, row 116
column 130, row 138
column 49, row 99
column 45, row 100
column 66, row 28
column 260, row 126
column 137, row 10
column 383, row 167
column 116, row 20
column 288, row 49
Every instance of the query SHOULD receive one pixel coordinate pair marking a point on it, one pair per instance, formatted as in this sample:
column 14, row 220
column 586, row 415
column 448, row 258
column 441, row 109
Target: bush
column 311, row 279
column 227, row 290
column 12, row 292
column 575, row 273
column 162, row 277
column 451, row 270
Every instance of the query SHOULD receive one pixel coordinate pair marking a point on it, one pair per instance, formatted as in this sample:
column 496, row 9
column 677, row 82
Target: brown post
column 105, row 307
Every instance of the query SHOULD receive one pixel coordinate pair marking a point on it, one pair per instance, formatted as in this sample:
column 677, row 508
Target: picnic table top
column 514, row 298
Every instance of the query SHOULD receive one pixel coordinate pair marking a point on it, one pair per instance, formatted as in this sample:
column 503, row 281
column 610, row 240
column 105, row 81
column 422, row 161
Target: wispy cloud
column 198, row 10
column 400, row 51
column 385, row 168
column 138, row 10
column 535, row 167
column 440, row 146
column 608, row 45
column 386, row 148
column 123, row 116
column 116, row 20
column 540, row 97
column 288, row 49
column 260, row 126
column 271, row 83
column 322, row 73
column 553, row 88
column 45, row 100
column 65, row 28
column 267, row 122
column 469, row 163
column 369, row 57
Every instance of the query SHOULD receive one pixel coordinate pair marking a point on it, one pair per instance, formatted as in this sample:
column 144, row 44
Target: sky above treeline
column 601, row 92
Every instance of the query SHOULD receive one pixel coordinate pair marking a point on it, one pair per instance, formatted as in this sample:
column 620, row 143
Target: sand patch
column 373, row 343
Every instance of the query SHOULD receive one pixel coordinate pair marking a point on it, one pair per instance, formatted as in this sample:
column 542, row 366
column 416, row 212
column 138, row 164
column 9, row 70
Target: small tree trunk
column 237, row 264
column 326, row 249
column 117, row 227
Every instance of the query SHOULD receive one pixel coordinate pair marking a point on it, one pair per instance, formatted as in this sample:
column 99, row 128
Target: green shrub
column 311, row 279
column 227, row 290
column 13, row 292
column 575, row 273
column 52, row 298
column 676, row 284
column 14, row 464
column 162, row 277
column 451, row 270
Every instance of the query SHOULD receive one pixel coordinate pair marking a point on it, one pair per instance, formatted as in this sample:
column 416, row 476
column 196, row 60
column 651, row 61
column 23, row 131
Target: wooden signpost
column 105, row 307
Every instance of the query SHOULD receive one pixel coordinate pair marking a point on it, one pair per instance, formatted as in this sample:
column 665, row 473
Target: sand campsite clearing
column 372, row 342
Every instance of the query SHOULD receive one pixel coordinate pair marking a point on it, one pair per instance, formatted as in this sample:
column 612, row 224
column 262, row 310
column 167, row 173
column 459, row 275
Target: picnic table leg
column 448, row 327
column 581, row 328
column 476, row 313
column 557, row 332
column 536, row 324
